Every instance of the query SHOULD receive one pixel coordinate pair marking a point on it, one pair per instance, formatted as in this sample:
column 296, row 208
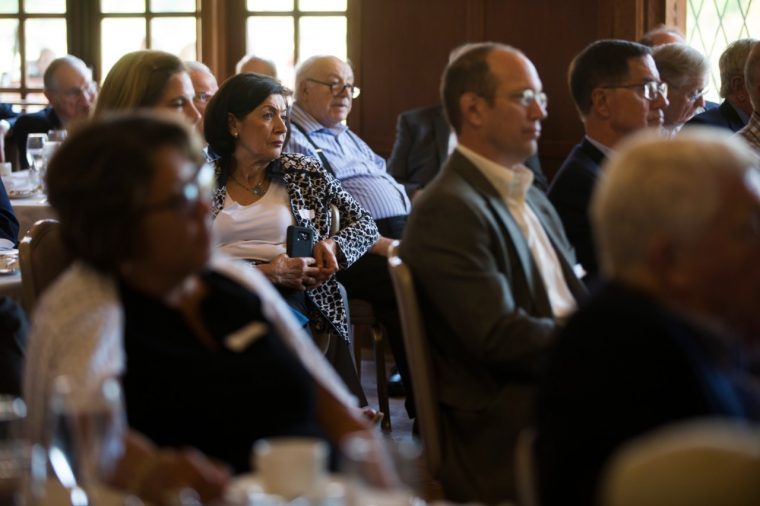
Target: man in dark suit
column 70, row 90
column 675, row 220
column 493, row 268
column 424, row 141
column 616, row 89
column 736, row 108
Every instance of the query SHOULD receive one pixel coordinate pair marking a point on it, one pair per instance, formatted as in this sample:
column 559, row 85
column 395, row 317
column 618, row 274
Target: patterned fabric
column 751, row 132
column 312, row 192
column 360, row 170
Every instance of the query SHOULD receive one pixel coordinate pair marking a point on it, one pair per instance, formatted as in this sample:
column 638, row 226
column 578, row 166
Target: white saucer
column 247, row 489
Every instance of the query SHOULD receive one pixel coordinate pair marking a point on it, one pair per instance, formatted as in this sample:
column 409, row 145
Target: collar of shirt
column 606, row 151
column 310, row 124
column 742, row 115
column 511, row 182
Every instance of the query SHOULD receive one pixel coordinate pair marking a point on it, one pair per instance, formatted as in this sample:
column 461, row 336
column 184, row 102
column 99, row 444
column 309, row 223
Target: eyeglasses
column 696, row 95
column 197, row 188
column 527, row 96
column 74, row 93
column 337, row 88
column 650, row 89
column 202, row 97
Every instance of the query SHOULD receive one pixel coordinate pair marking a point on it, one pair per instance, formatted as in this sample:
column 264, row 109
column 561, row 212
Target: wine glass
column 86, row 436
column 35, row 147
column 14, row 451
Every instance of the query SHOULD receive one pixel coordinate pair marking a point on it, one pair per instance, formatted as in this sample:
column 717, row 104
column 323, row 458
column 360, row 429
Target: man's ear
column 471, row 105
column 49, row 95
column 600, row 102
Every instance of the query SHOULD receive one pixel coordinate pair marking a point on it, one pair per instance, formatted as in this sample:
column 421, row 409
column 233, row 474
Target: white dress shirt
column 513, row 184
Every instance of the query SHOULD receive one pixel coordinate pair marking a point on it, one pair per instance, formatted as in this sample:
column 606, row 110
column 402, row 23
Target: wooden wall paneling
column 404, row 47
column 550, row 33
column 217, row 35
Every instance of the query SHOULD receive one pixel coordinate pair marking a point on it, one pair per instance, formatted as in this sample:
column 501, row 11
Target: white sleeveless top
column 256, row 231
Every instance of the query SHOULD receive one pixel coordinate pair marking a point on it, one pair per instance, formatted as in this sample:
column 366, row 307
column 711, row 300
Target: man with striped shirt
column 324, row 93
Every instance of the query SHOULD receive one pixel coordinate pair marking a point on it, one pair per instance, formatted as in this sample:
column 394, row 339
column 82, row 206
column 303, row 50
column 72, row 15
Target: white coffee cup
column 291, row 466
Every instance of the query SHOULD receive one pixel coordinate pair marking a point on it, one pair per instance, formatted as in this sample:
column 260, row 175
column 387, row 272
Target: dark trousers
column 338, row 352
column 369, row 279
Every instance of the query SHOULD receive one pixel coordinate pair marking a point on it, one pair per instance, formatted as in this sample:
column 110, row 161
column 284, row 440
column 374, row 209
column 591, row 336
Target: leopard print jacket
column 312, row 191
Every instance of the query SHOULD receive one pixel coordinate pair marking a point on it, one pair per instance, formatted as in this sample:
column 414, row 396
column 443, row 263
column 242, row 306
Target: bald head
column 256, row 65
column 315, row 80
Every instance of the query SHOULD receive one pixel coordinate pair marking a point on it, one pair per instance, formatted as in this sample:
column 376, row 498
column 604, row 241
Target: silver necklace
column 257, row 190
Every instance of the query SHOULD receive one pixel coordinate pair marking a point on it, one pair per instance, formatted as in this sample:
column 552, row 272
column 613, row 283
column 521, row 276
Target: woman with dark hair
column 261, row 192
column 209, row 355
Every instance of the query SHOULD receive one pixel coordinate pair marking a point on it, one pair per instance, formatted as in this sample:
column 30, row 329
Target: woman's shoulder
column 298, row 161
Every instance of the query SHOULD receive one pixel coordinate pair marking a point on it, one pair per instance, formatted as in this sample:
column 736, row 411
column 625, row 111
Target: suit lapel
column 735, row 123
column 537, row 201
column 442, row 133
column 462, row 166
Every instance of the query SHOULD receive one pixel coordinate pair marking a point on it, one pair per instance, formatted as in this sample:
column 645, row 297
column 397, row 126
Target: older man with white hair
column 736, row 108
column 751, row 132
column 686, row 72
column 71, row 92
column 677, row 227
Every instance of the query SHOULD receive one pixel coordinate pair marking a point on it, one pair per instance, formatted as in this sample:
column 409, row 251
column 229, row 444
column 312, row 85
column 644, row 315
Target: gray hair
column 680, row 64
column 752, row 75
column 305, row 68
column 49, row 77
column 196, row 66
column 732, row 62
column 269, row 66
column 663, row 188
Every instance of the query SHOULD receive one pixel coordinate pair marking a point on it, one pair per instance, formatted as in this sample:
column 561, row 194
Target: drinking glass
column 57, row 135
column 14, row 451
column 381, row 471
column 35, row 145
column 86, row 436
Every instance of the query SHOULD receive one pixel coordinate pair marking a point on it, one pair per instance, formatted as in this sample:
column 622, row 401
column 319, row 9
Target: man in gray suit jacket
column 493, row 268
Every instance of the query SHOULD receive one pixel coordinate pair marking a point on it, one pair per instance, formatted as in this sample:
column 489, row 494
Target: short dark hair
column 238, row 95
column 604, row 62
column 468, row 71
column 100, row 176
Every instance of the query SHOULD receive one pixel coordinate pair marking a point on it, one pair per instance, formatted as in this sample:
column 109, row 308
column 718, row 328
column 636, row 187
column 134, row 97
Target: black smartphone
column 299, row 241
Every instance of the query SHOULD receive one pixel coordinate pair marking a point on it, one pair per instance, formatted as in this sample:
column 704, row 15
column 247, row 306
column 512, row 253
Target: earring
column 235, row 135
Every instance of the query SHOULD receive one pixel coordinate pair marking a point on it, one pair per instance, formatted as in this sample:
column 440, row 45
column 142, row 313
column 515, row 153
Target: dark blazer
column 488, row 319
column 9, row 227
column 36, row 122
column 724, row 116
column 570, row 192
column 625, row 365
column 7, row 113
column 422, row 145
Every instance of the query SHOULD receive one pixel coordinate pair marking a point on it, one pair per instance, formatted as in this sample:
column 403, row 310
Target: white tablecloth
column 30, row 209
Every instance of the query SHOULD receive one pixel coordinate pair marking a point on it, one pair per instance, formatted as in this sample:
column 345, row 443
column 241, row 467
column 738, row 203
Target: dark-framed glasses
column 650, row 90
column 337, row 88
column 527, row 96
column 197, row 188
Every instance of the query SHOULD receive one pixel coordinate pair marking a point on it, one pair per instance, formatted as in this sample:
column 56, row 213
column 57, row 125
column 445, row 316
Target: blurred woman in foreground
column 208, row 353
